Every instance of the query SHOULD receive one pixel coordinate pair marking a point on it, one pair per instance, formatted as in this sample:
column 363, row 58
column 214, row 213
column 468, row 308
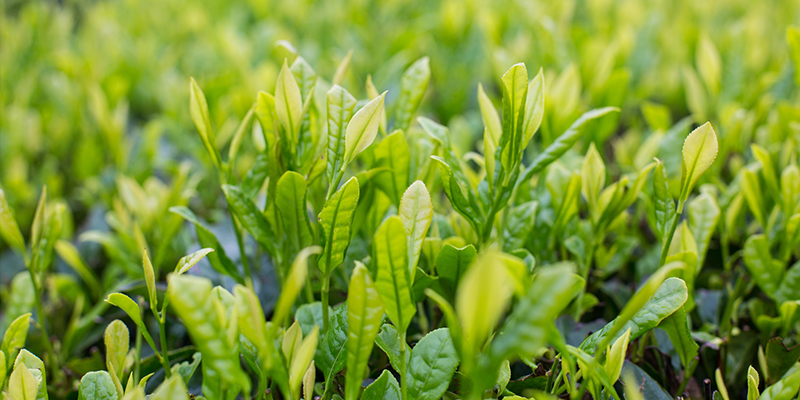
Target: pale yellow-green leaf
column 721, row 388
column 150, row 280
column 172, row 389
column 189, row 261
column 696, row 97
column 491, row 119
column 341, row 70
column 483, row 294
column 615, row 357
column 294, row 282
column 117, row 341
column 699, row 151
column 709, row 63
column 302, row 358
column 288, row 104
column 593, row 178
column 308, row 380
column 9, row 230
column 534, row 107
column 22, row 385
column 793, row 36
column 416, row 213
column 363, row 128
column 202, row 121
column 128, row 305
column 372, row 93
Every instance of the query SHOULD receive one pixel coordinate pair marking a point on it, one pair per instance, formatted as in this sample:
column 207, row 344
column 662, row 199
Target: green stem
column 403, row 367
column 326, row 288
column 41, row 320
column 687, row 374
column 243, row 255
column 665, row 249
column 162, row 335
column 137, row 357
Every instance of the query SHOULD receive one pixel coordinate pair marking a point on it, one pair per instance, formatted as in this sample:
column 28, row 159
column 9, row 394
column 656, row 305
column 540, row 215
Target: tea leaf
column 494, row 128
column 336, row 219
column 202, row 121
column 766, row 271
column 699, row 151
column 362, row 129
column 218, row 259
column 433, row 362
column 515, row 92
column 9, row 230
column 383, row 388
column 392, row 153
column 364, row 315
column 97, row 385
column 416, row 213
column 293, row 283
column 341, row 107
column 393, row 281
column 752, row 384
column 786, row 388
column 288, row 104
column 664, row 207
column 389, row 341
column 412, row 87
column 291, row 202
column 250, row 217
column 189, row 261
column 452, row 263
column 534, row 107
column 117, row 341
column 593, row 177
column 332, row 349
column 677, row 327
column 172, row 389
column 127, row 304
column 150, row 280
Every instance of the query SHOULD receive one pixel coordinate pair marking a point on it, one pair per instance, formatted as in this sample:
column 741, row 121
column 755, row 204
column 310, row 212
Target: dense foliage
column 377, row 200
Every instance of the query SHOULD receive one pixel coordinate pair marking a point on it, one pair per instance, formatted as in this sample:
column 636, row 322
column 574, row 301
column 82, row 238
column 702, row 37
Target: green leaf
column 534, row 107
column 362, row 129
column 786, row 388
column 593, row 178
column 207, row 239
column 341, row 107
column 127, row 304
column 494, row 128
column 172, row 389
column 392, row 154
column 34, row 364
column 16, row 335
column 364, row 315
column 615, row 358
column 416, row 213
column 189, row 261
column 203, row 315
column 288, row 105
column 790, row 189
column 150, row 281
column 72, row 257
column 9, row 230
column 236, row 142
column 97, row 385
column 454, row 191
column 117, row 340
column 563, row 143
column 482, row 297
column 789, row 288
column 519, row 224
column 383, row 388
column 389, row 341
column 752, row 384
column 525, row 330
column 3, row 367
column 332, row 349
column 766, row 271
column 779, row 358
column 301, row 360
column 767, row 169
column 412, row 87
column 393, row 281
column 433, row 362
column 452, row 264
column 677, row 327
column 751, row 188
column 704, row 215
column 515, row 93
column 291, row 203
column 202, row 121
column 657, row 299
column 250, row 217
column 709, row 63
column 21, row 299
column 699, row 151
column 294, row 282
column 336, row 219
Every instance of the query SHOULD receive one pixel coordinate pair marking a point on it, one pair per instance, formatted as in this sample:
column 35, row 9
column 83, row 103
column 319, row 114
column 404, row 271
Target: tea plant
column 346, row 235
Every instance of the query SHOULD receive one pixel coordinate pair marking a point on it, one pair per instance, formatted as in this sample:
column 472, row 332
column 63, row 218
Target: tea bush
column 379, row 201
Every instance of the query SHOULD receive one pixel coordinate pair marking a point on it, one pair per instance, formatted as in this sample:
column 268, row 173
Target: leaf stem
column 672, row 228
column 403, row 366
column 326, row 288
